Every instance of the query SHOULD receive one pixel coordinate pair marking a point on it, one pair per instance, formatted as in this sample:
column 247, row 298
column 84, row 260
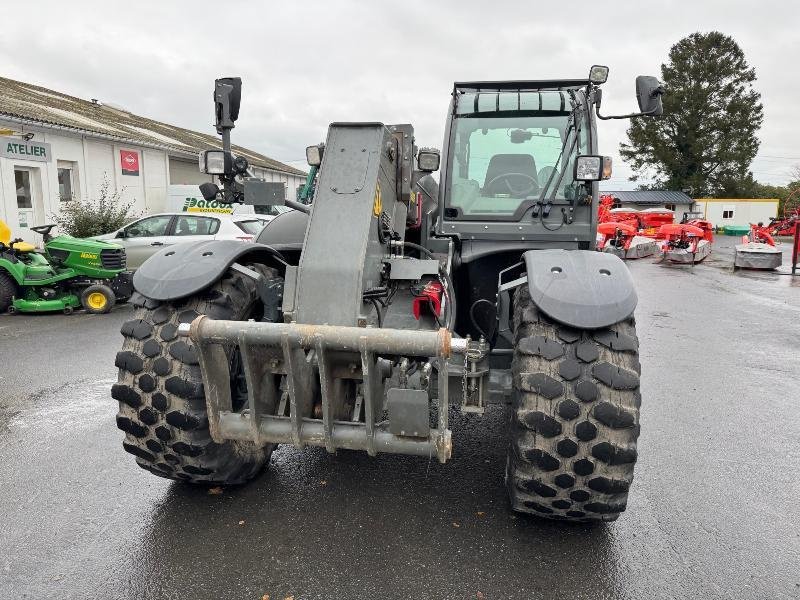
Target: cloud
column 307, row 64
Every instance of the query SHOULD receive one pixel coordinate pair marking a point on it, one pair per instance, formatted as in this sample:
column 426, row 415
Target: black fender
column 185, row 269
column 580, row 288
column 286, row 232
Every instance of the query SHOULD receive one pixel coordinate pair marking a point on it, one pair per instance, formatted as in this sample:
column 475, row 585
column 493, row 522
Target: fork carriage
column 318, row 361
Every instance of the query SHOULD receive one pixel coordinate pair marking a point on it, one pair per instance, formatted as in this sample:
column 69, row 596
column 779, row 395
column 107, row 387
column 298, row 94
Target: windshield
column 501, row 164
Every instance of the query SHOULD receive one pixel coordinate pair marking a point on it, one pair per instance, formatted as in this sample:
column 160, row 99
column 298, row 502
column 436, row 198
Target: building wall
column 91, row 161
column 185, row 172
column 721, row 211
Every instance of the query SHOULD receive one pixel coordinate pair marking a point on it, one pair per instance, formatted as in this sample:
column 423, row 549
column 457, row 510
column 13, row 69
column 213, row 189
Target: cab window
column 509, row 149
column 193, row 225
column 149, row 227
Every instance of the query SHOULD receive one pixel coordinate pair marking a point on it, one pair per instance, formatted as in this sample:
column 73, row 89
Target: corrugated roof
column 39, row 105
column 650, row 197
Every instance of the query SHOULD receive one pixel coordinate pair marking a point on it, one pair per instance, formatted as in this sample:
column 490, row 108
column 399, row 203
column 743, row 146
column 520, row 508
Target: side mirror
column 121, row 234
column 648, row 92
column 227, row 98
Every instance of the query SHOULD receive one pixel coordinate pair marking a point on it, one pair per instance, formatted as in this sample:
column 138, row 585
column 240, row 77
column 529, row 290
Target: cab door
column 143, row 238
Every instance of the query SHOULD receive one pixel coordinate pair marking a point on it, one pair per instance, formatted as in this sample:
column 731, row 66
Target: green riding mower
column 70, row 273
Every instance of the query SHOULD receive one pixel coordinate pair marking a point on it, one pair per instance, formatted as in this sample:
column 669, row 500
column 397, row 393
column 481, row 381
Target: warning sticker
column 377, row 204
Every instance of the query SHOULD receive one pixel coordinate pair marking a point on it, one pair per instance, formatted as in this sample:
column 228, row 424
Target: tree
column 85, row 218
column 706, row 138
column 781, row 192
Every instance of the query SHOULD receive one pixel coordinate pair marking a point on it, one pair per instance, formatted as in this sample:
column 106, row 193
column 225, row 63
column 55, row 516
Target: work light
column 314, row 155
column 598, row 74
column 215, row 162
column 428, row 160
column 589, row 168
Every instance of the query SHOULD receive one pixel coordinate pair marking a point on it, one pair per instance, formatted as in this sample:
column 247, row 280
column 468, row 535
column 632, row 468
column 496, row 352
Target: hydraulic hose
column 419, row 248
column 451, row 299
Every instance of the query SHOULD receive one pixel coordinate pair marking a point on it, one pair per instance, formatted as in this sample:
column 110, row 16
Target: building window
column 65, row 184
column 22, row 180
column 727, row 212
column 670, row 206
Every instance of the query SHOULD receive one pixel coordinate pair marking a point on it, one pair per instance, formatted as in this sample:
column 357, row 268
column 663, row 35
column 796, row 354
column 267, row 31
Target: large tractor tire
column 8, row 289
column 162, row 405
column 575, row 417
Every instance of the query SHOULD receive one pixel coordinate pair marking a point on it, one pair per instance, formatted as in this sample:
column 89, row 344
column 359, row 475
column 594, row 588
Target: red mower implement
column 623, row 240
column 791, row 216
column 652, row 219
column 618, row 231
column 757, row 250
column 686, row 243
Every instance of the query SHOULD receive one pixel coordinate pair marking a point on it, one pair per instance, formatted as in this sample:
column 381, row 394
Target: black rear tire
column 162, row 405
column 575, row 417
column 8, row 289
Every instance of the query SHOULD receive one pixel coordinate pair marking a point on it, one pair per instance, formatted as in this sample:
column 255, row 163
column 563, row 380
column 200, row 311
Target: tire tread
column 177, row 444
column 575, row 417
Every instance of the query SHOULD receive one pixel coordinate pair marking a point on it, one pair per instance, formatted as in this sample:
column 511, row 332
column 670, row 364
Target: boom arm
column 358, row 210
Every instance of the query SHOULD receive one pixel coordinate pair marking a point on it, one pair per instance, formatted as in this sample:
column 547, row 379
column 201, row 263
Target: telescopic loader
column 359, row 321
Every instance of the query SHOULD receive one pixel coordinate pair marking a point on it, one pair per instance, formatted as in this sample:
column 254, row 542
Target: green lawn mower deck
column 69, row 274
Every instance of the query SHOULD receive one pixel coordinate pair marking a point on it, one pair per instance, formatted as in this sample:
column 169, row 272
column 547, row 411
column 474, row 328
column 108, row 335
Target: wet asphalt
column 714, row 511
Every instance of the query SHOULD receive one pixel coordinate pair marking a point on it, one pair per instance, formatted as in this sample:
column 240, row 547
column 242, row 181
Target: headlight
column 598, row 74
column 215, row 162
column 428, row 160
column 314, row 155
column 588, row 168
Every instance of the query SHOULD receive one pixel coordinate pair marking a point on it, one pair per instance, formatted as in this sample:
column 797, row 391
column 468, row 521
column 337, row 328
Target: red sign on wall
column 129, row 161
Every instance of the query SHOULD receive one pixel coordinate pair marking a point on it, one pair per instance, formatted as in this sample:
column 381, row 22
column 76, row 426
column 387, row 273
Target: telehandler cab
column 358, row 321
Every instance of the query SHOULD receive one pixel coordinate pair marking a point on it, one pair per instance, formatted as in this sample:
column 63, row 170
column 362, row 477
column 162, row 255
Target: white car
column 146, row 236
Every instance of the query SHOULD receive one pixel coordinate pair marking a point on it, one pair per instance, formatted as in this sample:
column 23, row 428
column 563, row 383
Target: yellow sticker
column 377, row 204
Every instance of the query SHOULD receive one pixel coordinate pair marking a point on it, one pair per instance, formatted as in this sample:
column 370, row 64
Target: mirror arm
column 630, row 116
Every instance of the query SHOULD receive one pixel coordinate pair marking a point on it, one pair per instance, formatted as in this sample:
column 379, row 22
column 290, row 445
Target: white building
column 737, row 211
column 55, row 147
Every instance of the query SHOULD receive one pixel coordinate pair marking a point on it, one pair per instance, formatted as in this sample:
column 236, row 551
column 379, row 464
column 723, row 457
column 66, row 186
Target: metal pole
column 348, row 339
column 350, row 436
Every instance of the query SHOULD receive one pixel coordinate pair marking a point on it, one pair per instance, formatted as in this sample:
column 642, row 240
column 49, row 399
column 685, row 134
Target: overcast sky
column 306, row 64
